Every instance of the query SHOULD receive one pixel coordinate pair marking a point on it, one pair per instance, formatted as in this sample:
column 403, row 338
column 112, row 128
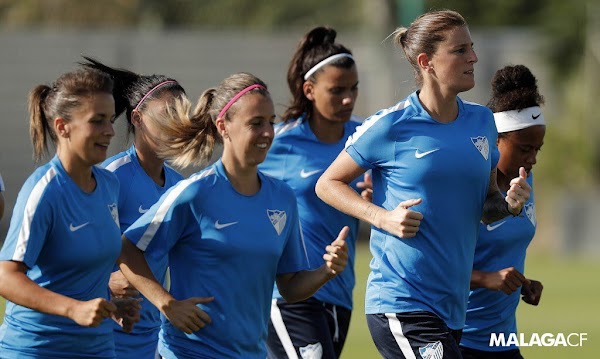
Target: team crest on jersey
column 277, row 219
column 432, row 351
column 530, row 212
column 481, row 142
column 312, row 351
column 114, row 213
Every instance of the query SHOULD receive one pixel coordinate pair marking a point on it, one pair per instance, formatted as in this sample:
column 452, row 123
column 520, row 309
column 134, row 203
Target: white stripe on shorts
column 396, row 329
column 282, row 334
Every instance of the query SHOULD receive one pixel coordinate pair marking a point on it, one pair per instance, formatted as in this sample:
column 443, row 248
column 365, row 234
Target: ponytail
column 38, row 124
column 190, row 138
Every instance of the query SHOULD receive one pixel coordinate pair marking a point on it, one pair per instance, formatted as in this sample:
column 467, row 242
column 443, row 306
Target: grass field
column 570, row 304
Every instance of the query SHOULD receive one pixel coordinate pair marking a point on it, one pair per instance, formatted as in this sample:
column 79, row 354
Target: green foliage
column 565, row 24
column 213, row 14
column 485, row 13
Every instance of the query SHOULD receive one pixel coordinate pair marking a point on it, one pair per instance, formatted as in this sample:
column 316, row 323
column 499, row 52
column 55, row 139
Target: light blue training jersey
column 138, row 193
column 448, row 166
column 69, row 240
column 500, row 245
column 299, row 158
column 224, row 244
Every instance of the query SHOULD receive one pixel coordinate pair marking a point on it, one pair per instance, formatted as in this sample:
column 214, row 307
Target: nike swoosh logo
column 223, row 225
column 74, row 228
column 491, row 228
column 535, row 117
column 304, row 174
column 141, row 210
column 423, row 154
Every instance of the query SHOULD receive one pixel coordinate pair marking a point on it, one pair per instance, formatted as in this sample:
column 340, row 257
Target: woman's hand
column 186, row 315
column 402, row 222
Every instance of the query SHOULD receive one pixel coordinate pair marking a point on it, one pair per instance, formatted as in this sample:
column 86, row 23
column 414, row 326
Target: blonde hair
column 424, row 35
column 190, row 138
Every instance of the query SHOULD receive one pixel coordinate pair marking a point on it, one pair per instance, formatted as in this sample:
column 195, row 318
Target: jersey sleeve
column 30, row 225
column 159, row 229
column 294, row 257
column 493, row 142
column 372, row 143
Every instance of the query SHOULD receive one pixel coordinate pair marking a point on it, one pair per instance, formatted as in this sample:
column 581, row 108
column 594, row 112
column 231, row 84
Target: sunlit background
column 201, row 42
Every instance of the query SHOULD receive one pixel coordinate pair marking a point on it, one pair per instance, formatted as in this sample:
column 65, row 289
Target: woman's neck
column 443, row 107
column 244, row 179
column 151, row 163
column 326, row 131
column 80, row 173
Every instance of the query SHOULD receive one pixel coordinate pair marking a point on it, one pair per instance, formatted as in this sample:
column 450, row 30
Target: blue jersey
column 224, row 244
column 500, row 245
column 448, row 165
column 138, row 193
column 299, row 158
column 69, row 240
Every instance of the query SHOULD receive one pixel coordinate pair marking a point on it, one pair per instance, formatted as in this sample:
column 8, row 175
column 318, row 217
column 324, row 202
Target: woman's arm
column 497, row 207
column 19, row 289
column 184, row 314
column 301, row 285
column 334, row 190
column 506, row 280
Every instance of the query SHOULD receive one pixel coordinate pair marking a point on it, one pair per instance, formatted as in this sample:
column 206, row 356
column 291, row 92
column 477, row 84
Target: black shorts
column 307, row 329
column 413, row 335
column 469, row 353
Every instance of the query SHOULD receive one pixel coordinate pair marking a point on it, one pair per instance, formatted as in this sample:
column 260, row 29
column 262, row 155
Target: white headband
column 519, row 119
column 329, row 59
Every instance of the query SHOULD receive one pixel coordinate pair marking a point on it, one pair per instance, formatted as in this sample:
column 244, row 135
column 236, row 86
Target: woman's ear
column 136, row 118
column 424, row 62
column 308, row 89
column 61, row 127
column 221, row 125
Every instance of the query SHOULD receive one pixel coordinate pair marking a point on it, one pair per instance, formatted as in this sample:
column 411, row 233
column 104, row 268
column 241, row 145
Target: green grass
column 569, row 305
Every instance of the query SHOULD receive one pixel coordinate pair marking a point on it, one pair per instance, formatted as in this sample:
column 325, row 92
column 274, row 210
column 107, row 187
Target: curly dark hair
column 514, row 88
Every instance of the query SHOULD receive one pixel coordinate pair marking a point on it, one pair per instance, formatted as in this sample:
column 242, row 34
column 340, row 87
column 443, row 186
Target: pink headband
column 152, row 90
column 237, row 97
